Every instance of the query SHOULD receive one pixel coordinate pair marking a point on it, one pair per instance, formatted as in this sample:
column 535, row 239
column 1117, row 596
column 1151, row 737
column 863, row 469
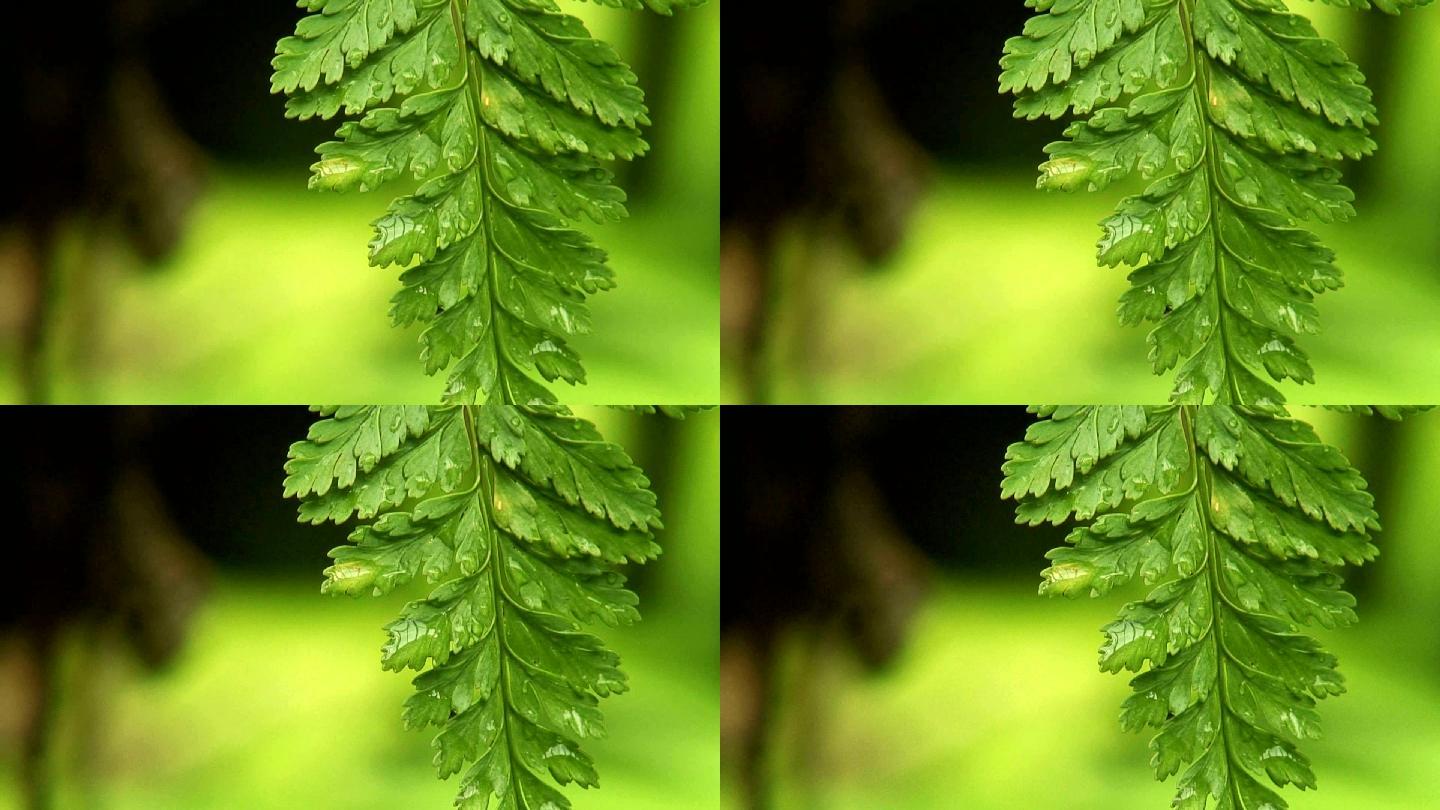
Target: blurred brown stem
column 747, row 686
column 37, row 732
column 747, row 305
column 36, row 257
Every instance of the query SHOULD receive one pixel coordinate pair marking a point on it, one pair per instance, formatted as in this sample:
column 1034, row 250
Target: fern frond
column 1239, row 115
column 520, row 517
column 504, row 112
column 1239, row 521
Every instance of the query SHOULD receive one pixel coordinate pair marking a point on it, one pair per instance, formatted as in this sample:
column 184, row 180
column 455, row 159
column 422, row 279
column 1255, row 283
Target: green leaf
column 1285, row 456
column 672, row 411
column 321, row 77
column 668, row 6
column 504, row 114
column 1068, row 36
column 561, row 456
column 520, row 517
column 1082, row 460
column 1392, row 412
column 1240, row 536
column 337, row 472
column 1239, row 114
column 1387, row 6
column 1068, row 439
column 1269, row 47
column 1154, row 53
column 350, row 442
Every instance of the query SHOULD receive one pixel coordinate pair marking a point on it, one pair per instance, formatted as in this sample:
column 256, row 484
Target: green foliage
column 1392, row 412
column 1235, row 516
column 503, row 113
column 1387, row 6
column 519, row 516
column 1238, row 522
column 1238, row 114
column 672, row 411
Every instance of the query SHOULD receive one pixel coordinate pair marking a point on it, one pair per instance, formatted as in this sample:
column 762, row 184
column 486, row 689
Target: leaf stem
column 1204, row 492
column 485, row 479
column 1201, row 86
column 474, row 82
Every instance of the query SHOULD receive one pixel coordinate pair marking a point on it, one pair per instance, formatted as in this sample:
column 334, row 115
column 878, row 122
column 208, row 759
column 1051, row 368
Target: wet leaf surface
column 1239, row 522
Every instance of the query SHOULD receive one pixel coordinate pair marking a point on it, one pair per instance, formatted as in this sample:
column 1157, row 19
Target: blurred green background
column 994, row 701
column 994, row 295
column 278, row 699
column 268, row 297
